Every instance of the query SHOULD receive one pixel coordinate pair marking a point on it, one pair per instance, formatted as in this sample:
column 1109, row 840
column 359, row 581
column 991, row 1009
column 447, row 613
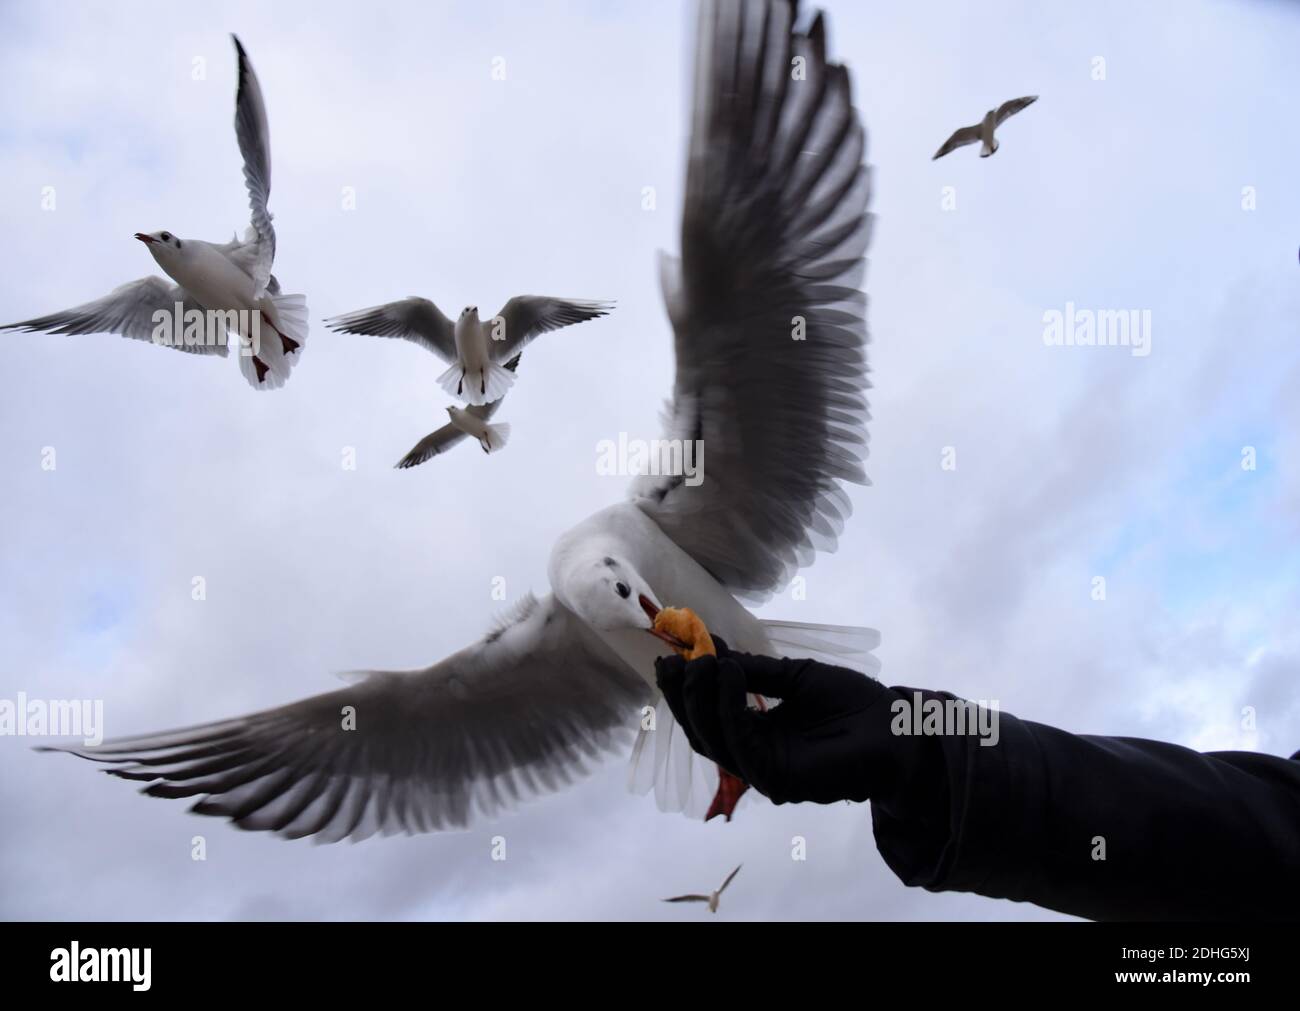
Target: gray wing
column 521, row 712
column 966, row 135
column 773, row 236
column 688, row 898
column 414, row 319
column 128, row 310
column 254, row 138
column 729, row 877
column 435, row 443
column 527, row 316
column 1008, row 109
column 447, row 436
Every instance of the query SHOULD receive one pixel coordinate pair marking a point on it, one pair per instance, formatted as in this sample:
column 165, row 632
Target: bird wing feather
column 521, row 712
column 128, row 310
column 766, row 306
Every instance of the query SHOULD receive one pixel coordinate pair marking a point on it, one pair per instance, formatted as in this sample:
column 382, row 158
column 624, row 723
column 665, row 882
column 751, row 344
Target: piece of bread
column 685, row 625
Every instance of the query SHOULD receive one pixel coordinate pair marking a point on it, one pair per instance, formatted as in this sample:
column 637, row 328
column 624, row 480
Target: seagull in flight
column 983, row 130
column 469, row 422
column 713, row 897
column 768, row 232
column 473, row 348
column 217, row 289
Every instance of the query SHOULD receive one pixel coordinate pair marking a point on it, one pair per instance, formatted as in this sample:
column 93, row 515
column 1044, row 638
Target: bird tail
column 495, row 437
column 267, row 361
column 291, row 321
column 664, row 761
column 260, row 359
column 840, row 645
column 289, row 328
column 476, row 388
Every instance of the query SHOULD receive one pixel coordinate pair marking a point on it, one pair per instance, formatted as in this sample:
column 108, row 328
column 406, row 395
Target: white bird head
column 469, row 313
column 610, row 595
column 165, row 247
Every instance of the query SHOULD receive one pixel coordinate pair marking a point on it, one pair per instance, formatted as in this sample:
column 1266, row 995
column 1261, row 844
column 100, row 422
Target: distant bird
column 231, row 286
column 472, row 347
column 983, row 131
column 472, row 421
column 713, row 897
column 767, row 234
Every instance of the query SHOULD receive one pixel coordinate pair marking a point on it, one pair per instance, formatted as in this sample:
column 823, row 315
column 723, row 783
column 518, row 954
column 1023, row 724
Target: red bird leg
column 730, row 788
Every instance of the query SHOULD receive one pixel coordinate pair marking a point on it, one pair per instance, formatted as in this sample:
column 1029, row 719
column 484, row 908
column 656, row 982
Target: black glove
column 830, row 739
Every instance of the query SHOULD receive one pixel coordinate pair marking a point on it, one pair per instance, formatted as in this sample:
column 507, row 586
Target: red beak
column 148, row 240
column 652, row 611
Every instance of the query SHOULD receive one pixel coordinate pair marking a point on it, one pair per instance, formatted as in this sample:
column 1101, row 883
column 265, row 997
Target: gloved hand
column 830, row 739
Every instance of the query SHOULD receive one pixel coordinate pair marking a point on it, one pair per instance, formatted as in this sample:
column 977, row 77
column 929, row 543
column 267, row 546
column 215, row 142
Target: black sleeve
column 1109, row 828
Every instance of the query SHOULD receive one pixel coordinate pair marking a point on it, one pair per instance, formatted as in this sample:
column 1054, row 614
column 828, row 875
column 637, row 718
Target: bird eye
column 166, row 237
column 624, row 590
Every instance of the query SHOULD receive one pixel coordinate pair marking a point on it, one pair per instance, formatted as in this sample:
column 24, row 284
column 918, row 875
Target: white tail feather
column 495, row 437
column 842, row 645
column 663, row 760
column 477, row 388
column 267, row 362
column 260, row 360
column 291, row 320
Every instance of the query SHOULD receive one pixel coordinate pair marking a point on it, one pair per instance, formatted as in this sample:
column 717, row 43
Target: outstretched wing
column 447, row 436
column 688, row 898
column 966, row 135
column 729, row 877
column 433, row 444
column 1008, row 109
column 521, row 712
column 414, row 319
column 129, row 311
column 527, row 316
column 254, row 136
column 765, row 304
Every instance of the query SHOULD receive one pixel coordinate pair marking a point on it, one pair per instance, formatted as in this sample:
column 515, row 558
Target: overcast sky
column 1072, row 463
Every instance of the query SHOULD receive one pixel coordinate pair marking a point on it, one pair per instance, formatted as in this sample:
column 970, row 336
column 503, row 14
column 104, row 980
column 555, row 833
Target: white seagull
column 470, row 422
column 473, row 348
column 775, row 226
column 219, row 290
column 712, row 898
column 983, row 130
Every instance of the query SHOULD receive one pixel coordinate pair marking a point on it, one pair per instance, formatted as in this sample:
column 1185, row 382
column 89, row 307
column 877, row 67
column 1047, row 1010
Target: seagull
column 713, row 897
column 472, row 421
column 218, row 289
column 983, row 130
column 769, row 232
column 473, row 348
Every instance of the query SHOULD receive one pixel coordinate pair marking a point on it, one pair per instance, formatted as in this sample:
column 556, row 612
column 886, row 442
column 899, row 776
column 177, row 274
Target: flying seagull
column 983, row 130
column 219, row 290
column 473, row 348
column 775, row 226
column 469, row 422
column 713, row 897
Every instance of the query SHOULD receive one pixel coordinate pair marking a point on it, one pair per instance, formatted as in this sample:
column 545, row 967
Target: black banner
column 90, row 960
